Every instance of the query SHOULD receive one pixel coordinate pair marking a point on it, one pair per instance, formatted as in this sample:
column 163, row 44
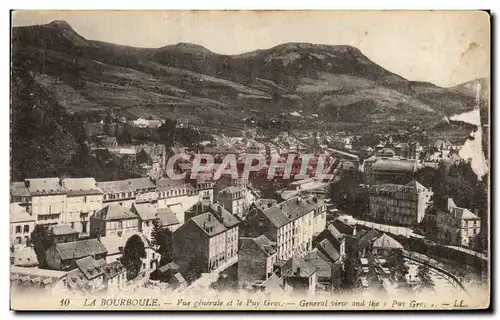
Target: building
column 176, row 195
column 207, row 242
column 290, row 224
column 299, row 276
column 22, row 225
column 62, row 233
column 144, row 190
column 302, row 184
column 120, row 192
column 48, row 200
column 256, row 259
column 83, row 199
column 20, row 194
column 50, row 281
column 147, row 213
column 114, row 219
column 63, row 256
column 168, row 219
column 115, row 247
column 457, row 226
column 88, row 276
column 399, row 204
column 115, row 276
column 386, row 167
column 319, row 221
column 385, row 245
column 233, row 200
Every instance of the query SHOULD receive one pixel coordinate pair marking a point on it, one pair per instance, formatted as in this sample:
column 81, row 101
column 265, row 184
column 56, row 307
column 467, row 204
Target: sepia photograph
column 250, row 160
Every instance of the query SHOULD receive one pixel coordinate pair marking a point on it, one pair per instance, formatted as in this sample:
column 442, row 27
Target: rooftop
column 167, row 217
column 297, row 267
column 146, row 211
column 81, row 186
column 386, row 242
column 395, row 165
column 19, row 214
column 79, row 249
column 18, row 189
column 141, row 183
column 209, row 224
column 290, row 210
column 62, row 229
column 114, row 211
column 90, row 267
column 115, row 186
column 45, row 186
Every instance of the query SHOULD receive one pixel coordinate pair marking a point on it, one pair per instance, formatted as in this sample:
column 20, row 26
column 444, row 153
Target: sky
column 442, row 47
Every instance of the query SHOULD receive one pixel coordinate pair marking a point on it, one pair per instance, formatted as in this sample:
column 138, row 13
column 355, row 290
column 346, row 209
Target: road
column 442, row 284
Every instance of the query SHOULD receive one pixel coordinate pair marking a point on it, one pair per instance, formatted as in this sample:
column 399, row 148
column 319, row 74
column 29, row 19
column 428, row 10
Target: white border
column 200, row 5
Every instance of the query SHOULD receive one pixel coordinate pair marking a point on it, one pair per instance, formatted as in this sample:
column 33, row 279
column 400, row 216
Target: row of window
column 25, row 229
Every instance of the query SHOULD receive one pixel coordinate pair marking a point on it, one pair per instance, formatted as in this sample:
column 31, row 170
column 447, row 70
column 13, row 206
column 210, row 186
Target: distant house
column 144, row 189
column 168, row 219
column 256, row 259
column 114, row 219
column 299, row 276
column 20, row 195
column 120, row 192
column 457, row 226
column 147, row 213
column 88, row 275
column 232, row 199
column 207, row 242
column 385, row 244
column 48, row 199
column 83, row 199
column 63, row 233
column 115, row 247
column 63, row 256
column 115, row 276
column 21, row 226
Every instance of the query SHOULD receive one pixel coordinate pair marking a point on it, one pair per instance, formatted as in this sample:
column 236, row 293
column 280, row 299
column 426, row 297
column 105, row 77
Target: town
column 378, row 221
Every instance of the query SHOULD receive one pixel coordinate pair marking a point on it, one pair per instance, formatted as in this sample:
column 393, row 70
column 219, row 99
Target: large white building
column 457, row 226
column 399, row 204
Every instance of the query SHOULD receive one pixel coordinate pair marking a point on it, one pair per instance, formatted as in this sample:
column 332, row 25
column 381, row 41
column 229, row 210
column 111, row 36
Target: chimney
column 297, row 271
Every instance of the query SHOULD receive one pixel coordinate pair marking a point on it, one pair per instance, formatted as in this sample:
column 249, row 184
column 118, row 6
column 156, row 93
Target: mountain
column 336, row 83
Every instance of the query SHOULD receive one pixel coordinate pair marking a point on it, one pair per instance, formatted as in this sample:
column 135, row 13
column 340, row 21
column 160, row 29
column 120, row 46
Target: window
column 19, row 240
column 72, row 225
column 18, row 229
column 26, row 228
column 85, row 199
column 84, row 226
column 50, row 209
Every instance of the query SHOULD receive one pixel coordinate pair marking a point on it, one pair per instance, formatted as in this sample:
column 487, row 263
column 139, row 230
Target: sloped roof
column 113, row 269
column 146, row 211
column 394, row 165
column 141, row 183
column 170, row 184
column 79, row 249
column 18, row 189
column 90, row 267
column 81, row 186
column 113, row 243
column 19, row 214
column 335, row 232
column 296, row 266
column 45, row 186
column 36, row 272
column 209, row 224
column 167, row 217
column 231, row 190
column 342, row 226
column 328, row 249
column 266, row 245
column 386, row 242
column 290, row 210
column 416, row 185
column 315, row 259
column 171, row 266
column 217, row 210
column 62, row 229
column 114, row 211
column 115, row 186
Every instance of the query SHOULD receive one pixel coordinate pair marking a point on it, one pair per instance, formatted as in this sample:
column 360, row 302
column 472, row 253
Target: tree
column 156, row 237
column 350, row 272
column 41, row 239
column 398, row 266
column 133, row 253
column 424, row 275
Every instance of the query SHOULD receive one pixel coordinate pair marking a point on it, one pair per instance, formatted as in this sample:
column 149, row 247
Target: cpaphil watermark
column 294, row 166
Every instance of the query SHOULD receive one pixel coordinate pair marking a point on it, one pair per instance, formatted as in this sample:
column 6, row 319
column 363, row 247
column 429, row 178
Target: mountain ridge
column 338, row 83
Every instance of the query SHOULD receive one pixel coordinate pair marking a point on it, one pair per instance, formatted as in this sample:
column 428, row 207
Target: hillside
column 337, row 83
